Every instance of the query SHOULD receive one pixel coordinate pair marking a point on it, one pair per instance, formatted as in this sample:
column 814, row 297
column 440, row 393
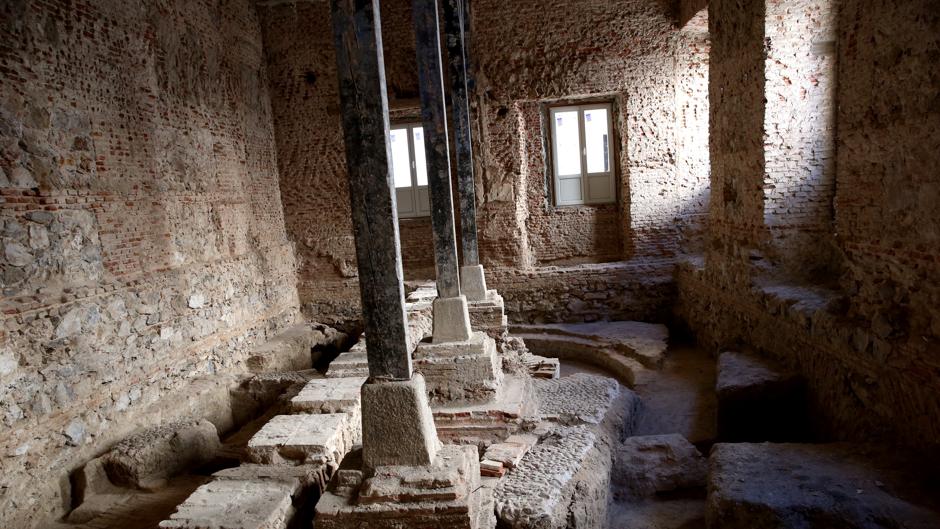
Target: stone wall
column 143, row 242
column 867, row 344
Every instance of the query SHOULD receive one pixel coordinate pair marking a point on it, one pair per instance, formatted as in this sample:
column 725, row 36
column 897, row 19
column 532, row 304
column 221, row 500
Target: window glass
column 596, row 141
column 421, row 163
column 401, row 159
column 567, row 143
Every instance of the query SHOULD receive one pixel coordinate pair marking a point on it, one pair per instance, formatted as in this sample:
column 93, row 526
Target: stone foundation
column 445, row 494
column 467, row 371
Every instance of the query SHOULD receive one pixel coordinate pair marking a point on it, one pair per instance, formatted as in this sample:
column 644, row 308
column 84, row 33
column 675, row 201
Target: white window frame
column 417, row 196
column 605, row 179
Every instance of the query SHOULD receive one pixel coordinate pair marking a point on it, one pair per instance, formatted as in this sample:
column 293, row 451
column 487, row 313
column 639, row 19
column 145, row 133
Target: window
column 410, row 170
column 582, row 157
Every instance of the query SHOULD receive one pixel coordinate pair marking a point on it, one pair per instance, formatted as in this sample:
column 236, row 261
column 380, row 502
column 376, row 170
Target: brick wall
column 799, row 135
column 298, row 40
column 143, row 242
column 525, row 55
column 867, row 344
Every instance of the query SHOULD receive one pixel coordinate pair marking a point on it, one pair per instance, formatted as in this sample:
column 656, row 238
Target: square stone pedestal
column 489, row 314
column 445, row 495
column 469, row 371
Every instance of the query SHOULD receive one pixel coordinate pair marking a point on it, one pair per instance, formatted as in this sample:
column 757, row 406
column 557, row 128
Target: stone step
column 815, row 485
column 644, row 342
column 759, row 400
column 334, row 395
column 627, row 370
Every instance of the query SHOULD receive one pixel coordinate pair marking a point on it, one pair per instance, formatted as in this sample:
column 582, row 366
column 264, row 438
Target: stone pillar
column 451, row 317
column 473, row 280
column 393, row 402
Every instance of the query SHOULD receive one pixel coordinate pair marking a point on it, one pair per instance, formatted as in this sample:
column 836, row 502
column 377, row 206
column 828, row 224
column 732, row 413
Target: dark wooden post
column 433, row 113
column 364, row 105
column 455, row 29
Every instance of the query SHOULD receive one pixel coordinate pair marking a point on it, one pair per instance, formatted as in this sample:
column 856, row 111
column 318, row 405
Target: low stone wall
column 641, row 289
column 861, row 386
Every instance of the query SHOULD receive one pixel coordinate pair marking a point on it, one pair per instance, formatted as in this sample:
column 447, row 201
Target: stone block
column 397, row 426
column 293, row 349
column 489, row 314
column 562, row 470
column 473, row 282
column 451, row 320
column 315, row 476
column 469, row 371
column 302, row 439
column 236, row 504
column 146, row 460
column 335, row 395
column 763, row 486
column 759, row 401
column 645, row 465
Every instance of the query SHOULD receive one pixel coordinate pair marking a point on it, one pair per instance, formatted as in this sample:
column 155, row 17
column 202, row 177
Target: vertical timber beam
column 364, row 105
column 433, row 114
column 455, row 30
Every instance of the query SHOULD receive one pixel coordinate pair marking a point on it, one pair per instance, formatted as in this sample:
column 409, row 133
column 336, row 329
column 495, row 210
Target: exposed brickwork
column 633, row 59
column 142, row 234
column 867, row 345
column 799, row 134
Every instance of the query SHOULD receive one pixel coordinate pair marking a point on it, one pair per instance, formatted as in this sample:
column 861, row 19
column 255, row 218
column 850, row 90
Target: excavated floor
column 670, row 420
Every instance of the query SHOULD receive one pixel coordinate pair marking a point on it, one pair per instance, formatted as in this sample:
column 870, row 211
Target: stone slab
column 236, row 504
column 306, row 476
column 578, row 399
column 302, row 439
column 758, row 486
column 335, row 395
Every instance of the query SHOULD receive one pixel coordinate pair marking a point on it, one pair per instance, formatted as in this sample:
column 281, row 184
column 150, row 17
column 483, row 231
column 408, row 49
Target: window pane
column 401, row 163
column 567, row 143
column 596, row 140
column 421, row 163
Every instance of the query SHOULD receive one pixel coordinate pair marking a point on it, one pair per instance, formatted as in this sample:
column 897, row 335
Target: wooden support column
column 364, row 106
column 433, row 113
column 455, row 29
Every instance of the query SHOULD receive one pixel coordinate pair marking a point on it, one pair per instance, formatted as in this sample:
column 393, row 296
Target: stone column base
column 451, row 320
column 397, row 426
column 469, row 371
column 473, row 282
column 446, row 495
